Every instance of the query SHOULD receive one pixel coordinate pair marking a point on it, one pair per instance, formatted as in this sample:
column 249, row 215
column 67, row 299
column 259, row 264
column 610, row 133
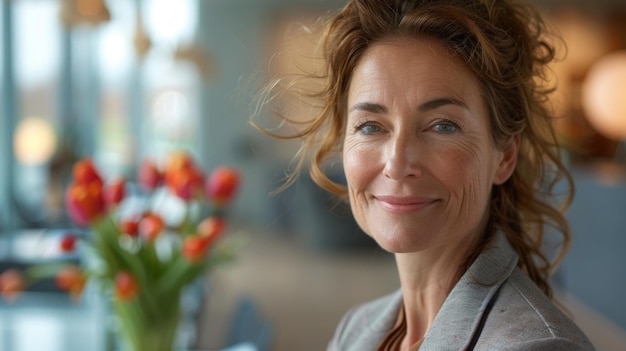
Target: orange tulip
column 114, row 192
column 149, row 177
column 186, row 183
column 126, row 286
column 195, row 248
column 150, row 226
column 177, row 162
column 84, row 171
column 72, row 279
column 222, row 184
column 85, row 201
column 211, row 227
column 12, row 283
column 182, row 176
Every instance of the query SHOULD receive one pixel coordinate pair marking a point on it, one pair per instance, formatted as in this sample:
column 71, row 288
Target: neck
column 427, row 277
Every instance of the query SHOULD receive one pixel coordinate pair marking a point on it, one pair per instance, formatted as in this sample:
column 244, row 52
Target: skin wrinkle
column 465, row 37
column 393, row 145
column 369, row 87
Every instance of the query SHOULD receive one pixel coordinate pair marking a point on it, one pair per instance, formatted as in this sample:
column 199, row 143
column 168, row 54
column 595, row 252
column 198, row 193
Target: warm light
column 35, row 141
column 92, row 12
column 89, row 8
column 604, row 96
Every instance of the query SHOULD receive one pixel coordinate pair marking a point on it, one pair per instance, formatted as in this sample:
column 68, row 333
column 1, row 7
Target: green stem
column 141, row 332
column 116, row 258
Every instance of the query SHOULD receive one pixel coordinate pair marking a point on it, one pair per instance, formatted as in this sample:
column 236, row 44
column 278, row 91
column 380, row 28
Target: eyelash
column 447, row 122
column 359, row 126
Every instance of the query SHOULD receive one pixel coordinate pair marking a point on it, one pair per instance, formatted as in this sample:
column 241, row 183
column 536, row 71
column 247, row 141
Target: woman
column 438, row 108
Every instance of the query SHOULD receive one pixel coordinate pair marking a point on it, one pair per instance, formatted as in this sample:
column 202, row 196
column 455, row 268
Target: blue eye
column 368, row 128
column 446, row 127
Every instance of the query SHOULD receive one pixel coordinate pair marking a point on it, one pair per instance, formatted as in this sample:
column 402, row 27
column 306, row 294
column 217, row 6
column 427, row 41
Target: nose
column 402, row 157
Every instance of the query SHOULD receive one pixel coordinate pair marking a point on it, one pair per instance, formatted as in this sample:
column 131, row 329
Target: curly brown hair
column 509, row 48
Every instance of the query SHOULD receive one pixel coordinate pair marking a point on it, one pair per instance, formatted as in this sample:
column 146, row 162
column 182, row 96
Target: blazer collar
column 379, row 317
column 462, row 311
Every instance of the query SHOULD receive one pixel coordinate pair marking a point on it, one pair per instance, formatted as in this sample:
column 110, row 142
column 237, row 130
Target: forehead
column 419, row 65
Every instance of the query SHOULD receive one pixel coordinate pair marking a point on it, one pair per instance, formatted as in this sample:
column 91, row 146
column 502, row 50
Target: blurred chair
column 249, row 327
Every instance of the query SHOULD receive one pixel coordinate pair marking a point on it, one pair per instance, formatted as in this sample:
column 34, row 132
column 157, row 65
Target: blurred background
column 122, row 80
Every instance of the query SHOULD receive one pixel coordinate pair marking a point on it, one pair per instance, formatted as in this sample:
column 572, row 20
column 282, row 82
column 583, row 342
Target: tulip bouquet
column 144, row 258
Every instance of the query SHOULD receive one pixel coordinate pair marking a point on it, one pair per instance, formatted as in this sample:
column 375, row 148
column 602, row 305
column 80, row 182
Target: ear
column 508, row 161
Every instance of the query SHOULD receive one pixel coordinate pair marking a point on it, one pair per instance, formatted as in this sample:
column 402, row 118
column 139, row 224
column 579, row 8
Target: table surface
column 53, row 322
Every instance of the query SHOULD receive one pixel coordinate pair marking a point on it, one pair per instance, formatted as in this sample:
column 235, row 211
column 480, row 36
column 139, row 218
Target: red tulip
column 222, row 184
column 115, row 192
column 126, row 286
column 84, row 171
column 211, row 227
column 68, row 243
column 195, row 247
column 149, row 176
column 72, row 279
column 12, row 283
column 85, row 201
column 129, row 227
column 150, row 226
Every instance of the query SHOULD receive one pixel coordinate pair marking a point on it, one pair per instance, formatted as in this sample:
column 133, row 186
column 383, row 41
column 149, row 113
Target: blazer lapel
column 380, row 318
column 461, row 314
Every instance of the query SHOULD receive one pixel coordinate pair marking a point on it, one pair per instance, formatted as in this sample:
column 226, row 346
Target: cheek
column 358, row 166
column 355, row 168
column 360, row 170
column 468, row 178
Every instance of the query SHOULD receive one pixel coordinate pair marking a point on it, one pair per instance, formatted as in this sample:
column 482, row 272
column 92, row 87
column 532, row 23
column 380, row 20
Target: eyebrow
column 368, row 107
column 423, row 107
column 436, row 103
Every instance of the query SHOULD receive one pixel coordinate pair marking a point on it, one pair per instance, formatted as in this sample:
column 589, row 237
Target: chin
column 397, row 238
column 398, row 245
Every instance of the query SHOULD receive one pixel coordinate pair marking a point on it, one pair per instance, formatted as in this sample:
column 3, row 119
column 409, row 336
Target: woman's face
column 418, row 155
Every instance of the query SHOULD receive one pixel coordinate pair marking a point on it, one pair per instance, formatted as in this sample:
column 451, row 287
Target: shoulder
column 523, row 318
column 363, row 327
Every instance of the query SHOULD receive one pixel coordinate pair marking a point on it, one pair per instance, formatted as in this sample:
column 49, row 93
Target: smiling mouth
column 404, row 204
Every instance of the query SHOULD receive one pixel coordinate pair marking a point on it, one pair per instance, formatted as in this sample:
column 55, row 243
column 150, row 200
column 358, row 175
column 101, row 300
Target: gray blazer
column 494, row 306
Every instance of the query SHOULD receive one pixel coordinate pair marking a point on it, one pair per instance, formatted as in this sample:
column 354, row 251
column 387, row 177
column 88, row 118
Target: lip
column 404, row 204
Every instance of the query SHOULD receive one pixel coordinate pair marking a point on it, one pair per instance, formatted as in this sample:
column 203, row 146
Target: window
column 37, row 56
column 116, row 90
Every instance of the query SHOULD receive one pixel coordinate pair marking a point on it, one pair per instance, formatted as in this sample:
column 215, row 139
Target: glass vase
column 148, row 323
